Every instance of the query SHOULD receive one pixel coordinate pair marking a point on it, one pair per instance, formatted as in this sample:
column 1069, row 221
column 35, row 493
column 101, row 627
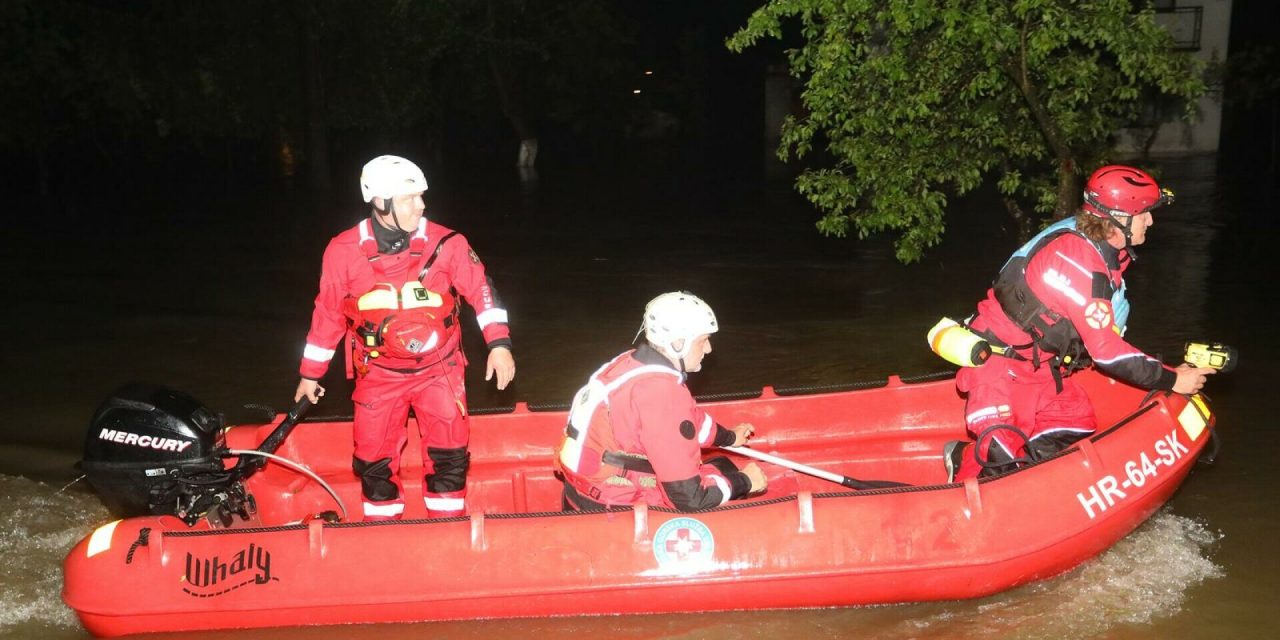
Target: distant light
column 636, row 91
column 648, row 73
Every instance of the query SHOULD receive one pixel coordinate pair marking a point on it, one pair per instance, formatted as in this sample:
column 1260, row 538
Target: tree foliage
column 1252, row 75
column 916, row 101
column 274, row 84
column 62, row 74
column 546, row 60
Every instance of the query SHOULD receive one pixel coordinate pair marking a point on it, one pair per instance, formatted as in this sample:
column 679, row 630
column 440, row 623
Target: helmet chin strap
column 678, row 358
column 1127, row 230
column 390, row 207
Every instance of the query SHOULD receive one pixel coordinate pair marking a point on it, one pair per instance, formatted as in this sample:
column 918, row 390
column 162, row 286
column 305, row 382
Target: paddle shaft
column 852, row 483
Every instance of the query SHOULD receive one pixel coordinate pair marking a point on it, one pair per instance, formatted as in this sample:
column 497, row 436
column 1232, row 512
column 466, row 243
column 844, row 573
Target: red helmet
column 1117, row 190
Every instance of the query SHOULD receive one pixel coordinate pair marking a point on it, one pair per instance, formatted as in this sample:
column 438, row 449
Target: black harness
column 1050, row 335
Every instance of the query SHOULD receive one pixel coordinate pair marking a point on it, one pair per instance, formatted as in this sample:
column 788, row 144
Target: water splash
column 41, row 524
column 1143, row 578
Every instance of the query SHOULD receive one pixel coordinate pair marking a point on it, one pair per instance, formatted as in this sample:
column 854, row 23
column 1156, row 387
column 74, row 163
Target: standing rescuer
column 391, row 286
column 635, row 434
column 1058, row 306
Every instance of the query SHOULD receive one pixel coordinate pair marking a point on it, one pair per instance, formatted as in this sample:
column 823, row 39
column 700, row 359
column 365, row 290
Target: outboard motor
column 152, row 450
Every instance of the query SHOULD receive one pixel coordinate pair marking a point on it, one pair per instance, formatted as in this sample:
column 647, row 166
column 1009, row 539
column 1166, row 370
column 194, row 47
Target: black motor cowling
column 148, row 447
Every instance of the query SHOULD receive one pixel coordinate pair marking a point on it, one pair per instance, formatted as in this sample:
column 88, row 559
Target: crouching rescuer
column 635, row 433
column 1057, row 306
column 392, row 285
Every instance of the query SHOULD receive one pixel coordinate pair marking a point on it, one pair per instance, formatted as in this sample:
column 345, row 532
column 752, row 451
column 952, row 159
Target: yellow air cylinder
column 957, row 344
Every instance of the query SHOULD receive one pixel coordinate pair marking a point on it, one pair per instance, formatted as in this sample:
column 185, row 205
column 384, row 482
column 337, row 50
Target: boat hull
column 804, row 544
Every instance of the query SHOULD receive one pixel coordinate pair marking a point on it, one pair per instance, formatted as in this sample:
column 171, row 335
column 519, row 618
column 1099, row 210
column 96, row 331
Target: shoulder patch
column 688, row 430
column 474, row 258
column 1098, row 314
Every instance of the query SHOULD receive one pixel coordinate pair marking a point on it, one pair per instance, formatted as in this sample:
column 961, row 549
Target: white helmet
column 677, row 316
column 389, row 176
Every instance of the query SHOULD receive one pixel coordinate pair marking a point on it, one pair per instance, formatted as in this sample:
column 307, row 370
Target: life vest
column 588, row 453
column 409, row 321
column 1049, row 333
column 404, row 320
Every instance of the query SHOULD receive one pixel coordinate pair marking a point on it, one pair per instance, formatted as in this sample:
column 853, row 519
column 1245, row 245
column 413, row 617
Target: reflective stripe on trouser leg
column 447, row 504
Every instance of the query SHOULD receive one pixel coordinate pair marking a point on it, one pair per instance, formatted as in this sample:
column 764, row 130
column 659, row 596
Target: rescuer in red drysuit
column 1057, row 306
column 635, row 434
column 391, row 285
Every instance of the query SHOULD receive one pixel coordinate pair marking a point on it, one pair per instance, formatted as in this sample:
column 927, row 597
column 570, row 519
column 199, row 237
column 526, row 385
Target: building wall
column 1177, row 135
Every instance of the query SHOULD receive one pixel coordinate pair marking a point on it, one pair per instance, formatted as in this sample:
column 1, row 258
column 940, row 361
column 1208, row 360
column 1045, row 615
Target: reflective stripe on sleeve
column 707, row 425
column 1062, row 283
column 318, row 354
column 1087, row 273
column 486, row 318
column 1120, row 357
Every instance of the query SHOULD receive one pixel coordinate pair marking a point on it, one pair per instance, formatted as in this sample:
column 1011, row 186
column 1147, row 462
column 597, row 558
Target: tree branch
column 1017, row 69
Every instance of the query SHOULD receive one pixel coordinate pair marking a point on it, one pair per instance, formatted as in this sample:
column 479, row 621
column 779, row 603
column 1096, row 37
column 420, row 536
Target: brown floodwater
column 213, row 297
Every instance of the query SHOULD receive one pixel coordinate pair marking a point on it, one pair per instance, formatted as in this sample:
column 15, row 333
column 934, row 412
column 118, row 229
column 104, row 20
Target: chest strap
column 435, row 254
column 628, row 461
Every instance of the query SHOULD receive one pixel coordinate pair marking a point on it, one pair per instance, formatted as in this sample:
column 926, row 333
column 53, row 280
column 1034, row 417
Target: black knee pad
column 375, row 479
column 1045, row 446
column 449, row 469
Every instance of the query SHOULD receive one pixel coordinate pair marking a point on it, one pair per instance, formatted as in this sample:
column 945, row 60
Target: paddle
column 852, row 483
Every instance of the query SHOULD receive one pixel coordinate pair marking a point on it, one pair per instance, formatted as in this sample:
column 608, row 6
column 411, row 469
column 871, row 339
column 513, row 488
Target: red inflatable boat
column 805, row 543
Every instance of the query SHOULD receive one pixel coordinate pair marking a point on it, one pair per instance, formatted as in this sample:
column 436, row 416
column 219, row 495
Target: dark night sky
column 718, row 97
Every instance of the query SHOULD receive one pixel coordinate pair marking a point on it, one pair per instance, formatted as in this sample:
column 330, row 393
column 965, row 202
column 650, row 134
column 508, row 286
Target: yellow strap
column 383, row 296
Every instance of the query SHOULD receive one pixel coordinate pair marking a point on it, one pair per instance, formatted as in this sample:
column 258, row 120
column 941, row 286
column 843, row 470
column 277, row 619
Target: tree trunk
column 528, row 155
column 1150, row 141
column 514, row 111
column 509, row 98
column 1021, row 223
column 1068, row 192
column 42, row 172
column 1273, row 161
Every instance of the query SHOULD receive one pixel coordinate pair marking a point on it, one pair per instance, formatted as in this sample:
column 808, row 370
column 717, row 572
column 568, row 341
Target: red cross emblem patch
column 684, row 543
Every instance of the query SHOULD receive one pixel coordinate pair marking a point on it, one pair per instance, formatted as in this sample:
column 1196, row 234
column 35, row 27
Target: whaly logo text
column 207, row 577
